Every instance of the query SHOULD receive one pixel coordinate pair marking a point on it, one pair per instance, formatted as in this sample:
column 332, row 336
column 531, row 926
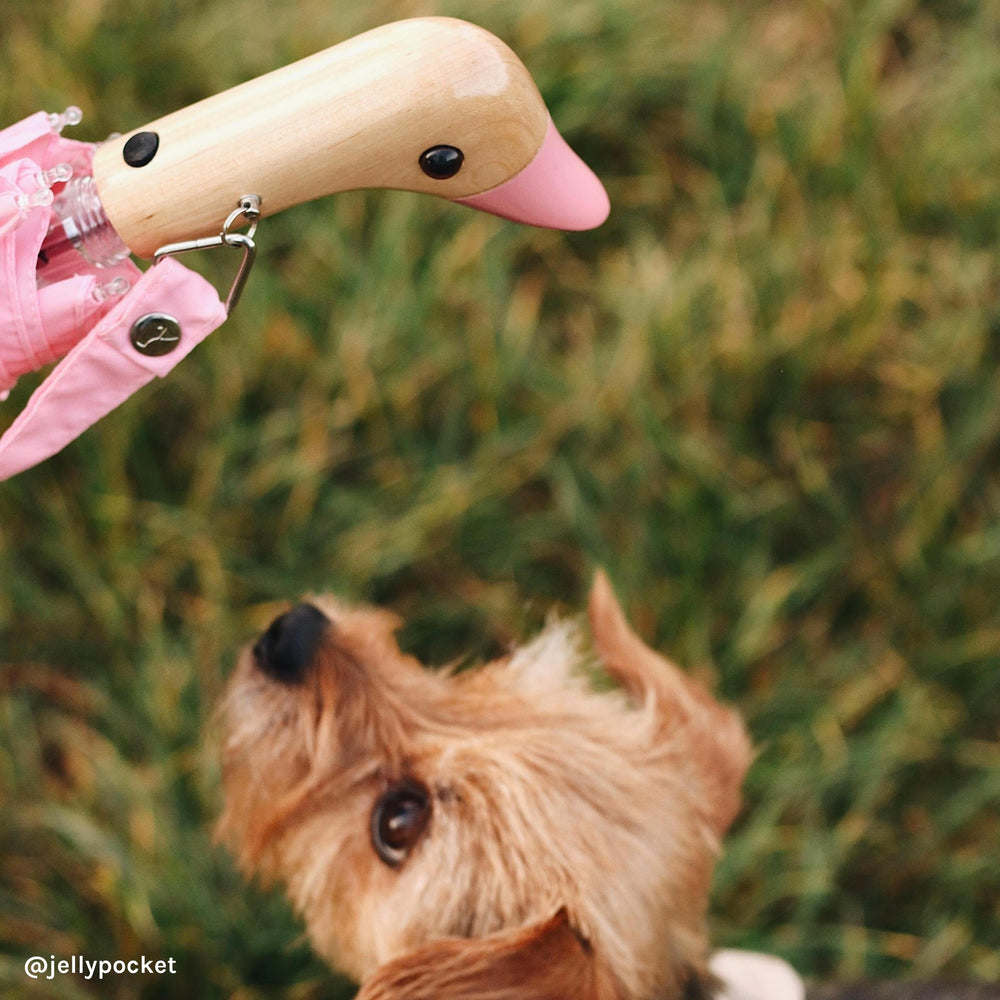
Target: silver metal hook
column 249, row 209
column 249, row 256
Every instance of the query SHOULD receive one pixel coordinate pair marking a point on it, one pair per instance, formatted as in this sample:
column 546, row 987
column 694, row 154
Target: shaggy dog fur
column 515, row 832
column 465, row 835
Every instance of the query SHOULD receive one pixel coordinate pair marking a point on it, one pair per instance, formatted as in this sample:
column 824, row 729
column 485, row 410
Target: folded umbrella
column 78, row 312
column 434, row 105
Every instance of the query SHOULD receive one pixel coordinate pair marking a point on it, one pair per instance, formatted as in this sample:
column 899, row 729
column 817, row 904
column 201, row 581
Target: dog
column 511, row 830
column 542, row 827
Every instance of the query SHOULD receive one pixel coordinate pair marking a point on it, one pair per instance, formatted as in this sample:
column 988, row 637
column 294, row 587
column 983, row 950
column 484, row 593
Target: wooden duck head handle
column 434, row 105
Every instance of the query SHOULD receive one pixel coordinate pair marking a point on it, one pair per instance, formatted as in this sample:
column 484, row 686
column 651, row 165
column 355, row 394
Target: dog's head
column 449, row 834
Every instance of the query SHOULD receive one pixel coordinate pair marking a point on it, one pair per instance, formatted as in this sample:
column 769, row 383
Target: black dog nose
column 288, row 647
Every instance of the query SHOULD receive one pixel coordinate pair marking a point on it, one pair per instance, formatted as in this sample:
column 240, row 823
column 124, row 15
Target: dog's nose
column 288, row 647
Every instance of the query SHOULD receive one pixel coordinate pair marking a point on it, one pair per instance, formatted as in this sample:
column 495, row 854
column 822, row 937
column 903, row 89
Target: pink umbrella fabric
column 75, row 311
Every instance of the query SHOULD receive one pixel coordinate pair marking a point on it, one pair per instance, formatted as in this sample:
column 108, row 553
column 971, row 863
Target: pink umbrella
column 430, row 104
column 79, row 312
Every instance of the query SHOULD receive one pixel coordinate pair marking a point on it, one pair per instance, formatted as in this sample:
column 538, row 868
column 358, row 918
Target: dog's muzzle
column 288, row 647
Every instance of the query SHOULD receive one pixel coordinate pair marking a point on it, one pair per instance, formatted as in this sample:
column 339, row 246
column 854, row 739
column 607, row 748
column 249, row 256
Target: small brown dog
column 510, row 831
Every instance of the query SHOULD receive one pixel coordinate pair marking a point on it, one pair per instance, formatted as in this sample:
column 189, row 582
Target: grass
column 764, row 396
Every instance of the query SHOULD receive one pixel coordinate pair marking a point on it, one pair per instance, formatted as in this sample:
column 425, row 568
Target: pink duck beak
column 556, row 190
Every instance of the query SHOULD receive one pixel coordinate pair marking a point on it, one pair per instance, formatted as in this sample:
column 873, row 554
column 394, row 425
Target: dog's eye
column 398, row 820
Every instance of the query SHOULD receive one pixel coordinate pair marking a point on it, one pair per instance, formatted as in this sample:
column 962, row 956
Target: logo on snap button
column 155, row 334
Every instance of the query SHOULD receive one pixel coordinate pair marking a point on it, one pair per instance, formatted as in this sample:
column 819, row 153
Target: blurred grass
column 764, row 395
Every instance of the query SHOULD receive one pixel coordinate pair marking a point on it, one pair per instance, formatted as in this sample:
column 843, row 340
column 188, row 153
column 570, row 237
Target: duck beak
column 556, row 190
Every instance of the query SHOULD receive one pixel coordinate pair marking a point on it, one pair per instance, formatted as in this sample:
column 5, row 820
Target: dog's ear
column 717, row 741
column 544, row 961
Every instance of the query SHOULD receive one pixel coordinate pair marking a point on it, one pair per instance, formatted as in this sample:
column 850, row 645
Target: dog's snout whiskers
column 288, row 647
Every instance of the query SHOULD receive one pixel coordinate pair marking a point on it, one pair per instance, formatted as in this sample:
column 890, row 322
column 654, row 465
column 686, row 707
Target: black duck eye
column 441, row 162
column 398, row 819
column 140, row 149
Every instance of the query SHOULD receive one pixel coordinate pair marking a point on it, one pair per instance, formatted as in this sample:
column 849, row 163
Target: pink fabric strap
column 104, row 368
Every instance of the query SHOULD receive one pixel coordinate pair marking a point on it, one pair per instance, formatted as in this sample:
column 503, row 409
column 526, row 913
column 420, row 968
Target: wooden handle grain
column 357, row 115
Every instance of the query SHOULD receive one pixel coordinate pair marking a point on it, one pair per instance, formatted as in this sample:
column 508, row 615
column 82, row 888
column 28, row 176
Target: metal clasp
column 248, row 209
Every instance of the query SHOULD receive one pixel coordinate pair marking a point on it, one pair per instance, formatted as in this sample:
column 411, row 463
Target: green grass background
column 764, row 396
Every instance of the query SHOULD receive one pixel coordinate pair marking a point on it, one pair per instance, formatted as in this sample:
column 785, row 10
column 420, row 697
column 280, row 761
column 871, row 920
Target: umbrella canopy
column 73, row 310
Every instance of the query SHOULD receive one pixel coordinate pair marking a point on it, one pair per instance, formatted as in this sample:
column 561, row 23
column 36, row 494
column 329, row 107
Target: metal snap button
column 155, row 334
